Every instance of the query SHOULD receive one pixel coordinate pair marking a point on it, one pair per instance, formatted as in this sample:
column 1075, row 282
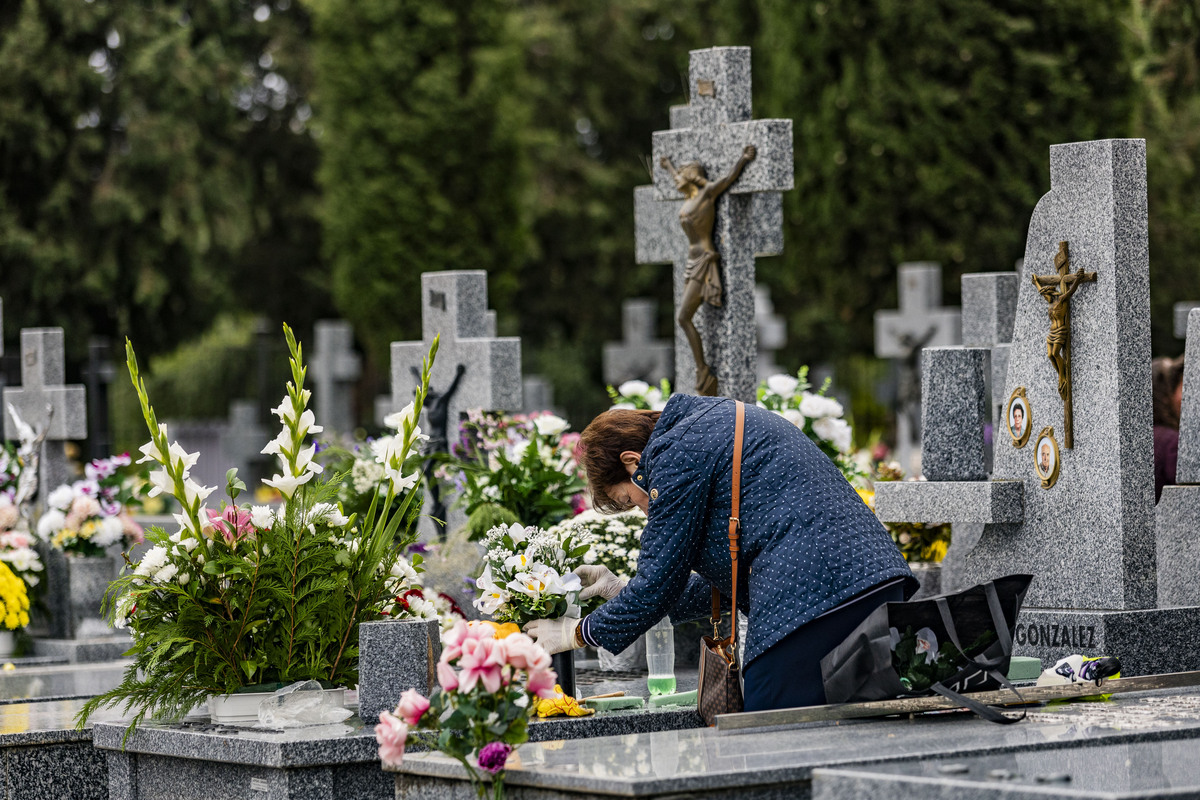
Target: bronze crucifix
column 1057, row 291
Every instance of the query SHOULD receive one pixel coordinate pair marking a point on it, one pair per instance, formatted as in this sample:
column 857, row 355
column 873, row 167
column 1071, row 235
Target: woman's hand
column 598, row 581
column 555, row 635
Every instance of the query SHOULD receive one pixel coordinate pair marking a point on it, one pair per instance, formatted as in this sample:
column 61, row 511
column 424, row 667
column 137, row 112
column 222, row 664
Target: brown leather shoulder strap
column 734, row 526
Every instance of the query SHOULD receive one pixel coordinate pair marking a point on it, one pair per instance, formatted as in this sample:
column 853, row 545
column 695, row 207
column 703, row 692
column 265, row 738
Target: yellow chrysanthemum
column 14, row 599
column 87, row 529
column 936, row 551
column 867, row 497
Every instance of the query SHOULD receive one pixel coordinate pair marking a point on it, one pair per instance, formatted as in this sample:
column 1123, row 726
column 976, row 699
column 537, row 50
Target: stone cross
column 772, row 332
column 640, row 356
column 335, row 368
column 1090, row 537
column 454, row 305
column 713, row 129
column 920, row 322
column 242, row 440
column 46, row 404
column 1182, row 309
column 989, row 306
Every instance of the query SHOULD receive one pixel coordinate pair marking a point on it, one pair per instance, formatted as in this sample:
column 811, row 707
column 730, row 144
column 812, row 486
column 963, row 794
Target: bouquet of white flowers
column 528, row 573
column 820, row 417
column 615, row 541
column 639, row 394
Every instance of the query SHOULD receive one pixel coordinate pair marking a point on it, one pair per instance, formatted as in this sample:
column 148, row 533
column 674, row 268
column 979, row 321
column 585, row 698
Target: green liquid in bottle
column 661, row 684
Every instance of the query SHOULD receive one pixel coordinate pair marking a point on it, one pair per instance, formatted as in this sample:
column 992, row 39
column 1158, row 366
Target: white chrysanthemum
column 51, row 523
column 152, row 562
column 108, row 531
column 835, row 431
column 365, row 476
column 782, row 385
column 550, row 425
column 61, row 497
column 815, row 406
column 633, row 388
column 794, row 416
column 262, row 517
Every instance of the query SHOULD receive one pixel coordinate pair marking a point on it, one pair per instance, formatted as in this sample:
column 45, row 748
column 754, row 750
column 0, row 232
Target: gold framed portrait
column 1018, row 417
column 1046, row 457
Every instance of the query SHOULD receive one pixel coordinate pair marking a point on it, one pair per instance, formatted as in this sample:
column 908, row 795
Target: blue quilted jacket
column 808, row 542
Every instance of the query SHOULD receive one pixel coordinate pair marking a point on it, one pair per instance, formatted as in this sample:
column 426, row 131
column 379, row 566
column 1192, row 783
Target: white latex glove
column 555, row 635
column 598, row 581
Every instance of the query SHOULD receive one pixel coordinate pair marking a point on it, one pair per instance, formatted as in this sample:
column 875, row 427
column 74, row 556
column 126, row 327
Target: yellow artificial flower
column 507, row 629
column 14, row 599
column 867, row 497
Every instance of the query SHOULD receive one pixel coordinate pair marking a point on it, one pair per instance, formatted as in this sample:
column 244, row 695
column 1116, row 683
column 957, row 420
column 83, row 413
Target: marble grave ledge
column 771, row 764
column 950, row 501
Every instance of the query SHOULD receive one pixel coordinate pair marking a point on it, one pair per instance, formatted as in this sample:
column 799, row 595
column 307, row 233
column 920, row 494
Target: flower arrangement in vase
column 480, row 709
column 820, row 417
column 528, row 574
column 514, row 468
column 614, row 540
column 249, row 596
column 88, row 516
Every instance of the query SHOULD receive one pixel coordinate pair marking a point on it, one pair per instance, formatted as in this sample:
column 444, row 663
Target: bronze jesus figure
column 1057, row 291
column 702, row 280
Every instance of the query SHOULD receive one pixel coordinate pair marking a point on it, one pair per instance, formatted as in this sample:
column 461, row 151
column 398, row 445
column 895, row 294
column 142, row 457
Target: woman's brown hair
column 1167, row 374
column 600, row 448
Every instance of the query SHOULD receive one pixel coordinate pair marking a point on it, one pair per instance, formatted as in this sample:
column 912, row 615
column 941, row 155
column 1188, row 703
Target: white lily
column 783, row 385
column 550, row 425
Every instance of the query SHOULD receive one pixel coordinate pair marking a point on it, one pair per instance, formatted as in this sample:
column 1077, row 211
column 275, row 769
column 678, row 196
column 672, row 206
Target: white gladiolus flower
column 400, row 481
column 160, row 482
column 279, row 443
column 61, row 497
column 262, row 517
column 814, row 406
column 51, row 523
column 397, row 420
column 150, row 451
column 287, row 484
column 550, row 425
column 193, row 491
column 783, row 385
column 181, row 459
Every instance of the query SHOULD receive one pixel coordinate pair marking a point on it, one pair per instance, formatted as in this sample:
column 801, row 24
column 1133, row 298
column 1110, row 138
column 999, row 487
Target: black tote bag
column 967, row 641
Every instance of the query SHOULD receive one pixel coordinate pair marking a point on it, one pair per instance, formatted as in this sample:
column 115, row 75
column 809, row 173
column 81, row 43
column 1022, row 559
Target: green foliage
column 162, row 158
column 254, row 596
column 922, row 133
column 421, row 166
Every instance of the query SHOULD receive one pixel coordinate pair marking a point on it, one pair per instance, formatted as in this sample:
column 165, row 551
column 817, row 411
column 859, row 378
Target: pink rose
column 447, row 677
column 391, row 734
column 458, row 638
column 524, row 653
column 412, row 706
column 478, row 664
column 541, row 682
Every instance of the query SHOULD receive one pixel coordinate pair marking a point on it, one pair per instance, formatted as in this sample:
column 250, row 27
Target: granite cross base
column 197, row 760
column 1137, row 771
column 780, row 763
column 395, row 655
column 1148, row 642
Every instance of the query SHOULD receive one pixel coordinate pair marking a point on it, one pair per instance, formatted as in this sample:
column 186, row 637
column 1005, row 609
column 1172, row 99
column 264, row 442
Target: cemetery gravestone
column 920, row 322
column 640, row 356
column 537, row 394
column 98, row 374
column 1177, row 515
column 335, row 368
column 1182, row 311
column 713, row 130
column 242, row 441
column 772, row 332
column 46, row 404
column 1087, row 534
column 477, row 369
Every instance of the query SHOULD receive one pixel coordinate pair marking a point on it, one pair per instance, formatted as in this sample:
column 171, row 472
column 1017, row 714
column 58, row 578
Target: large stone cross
column 772, row 332
column 920, row 322
column 454, row 306
column 713, row 129
column 335, row 367
column 46, row 404
column 640, row 356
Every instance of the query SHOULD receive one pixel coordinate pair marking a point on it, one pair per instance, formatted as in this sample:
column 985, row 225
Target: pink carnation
column 447, row 677
column 541, row 682
column 412, row 706
column 391, row 734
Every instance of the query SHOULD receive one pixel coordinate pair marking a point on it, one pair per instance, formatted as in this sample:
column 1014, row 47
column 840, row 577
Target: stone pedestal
column 76, row 587
column 394, row 656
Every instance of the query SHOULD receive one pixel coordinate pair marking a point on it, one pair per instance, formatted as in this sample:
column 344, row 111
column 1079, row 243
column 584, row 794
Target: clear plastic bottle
column 660, row 657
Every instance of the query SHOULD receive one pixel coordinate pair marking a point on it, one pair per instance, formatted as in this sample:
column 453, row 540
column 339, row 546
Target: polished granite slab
column 59, row 681
column 1133, row 771
column 768, row 763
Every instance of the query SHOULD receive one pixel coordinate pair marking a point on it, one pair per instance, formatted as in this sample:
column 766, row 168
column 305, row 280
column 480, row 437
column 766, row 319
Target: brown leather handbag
column 720, row 690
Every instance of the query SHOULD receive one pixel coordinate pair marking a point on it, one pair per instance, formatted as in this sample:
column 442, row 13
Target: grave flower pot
column 241, row 708
column 86, row 580
column 8, row 643
column 564, row 664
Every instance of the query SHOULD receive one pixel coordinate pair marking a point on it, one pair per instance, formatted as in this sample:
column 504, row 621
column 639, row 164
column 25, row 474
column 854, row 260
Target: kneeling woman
column 814, row 557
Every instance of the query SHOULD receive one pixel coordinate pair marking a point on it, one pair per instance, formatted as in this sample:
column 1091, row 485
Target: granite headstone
column 335, row 369
column 454, row 306
column 640, row 355
column 920, row 322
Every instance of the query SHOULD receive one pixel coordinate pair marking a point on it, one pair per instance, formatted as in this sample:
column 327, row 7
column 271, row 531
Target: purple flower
column 493, row 756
